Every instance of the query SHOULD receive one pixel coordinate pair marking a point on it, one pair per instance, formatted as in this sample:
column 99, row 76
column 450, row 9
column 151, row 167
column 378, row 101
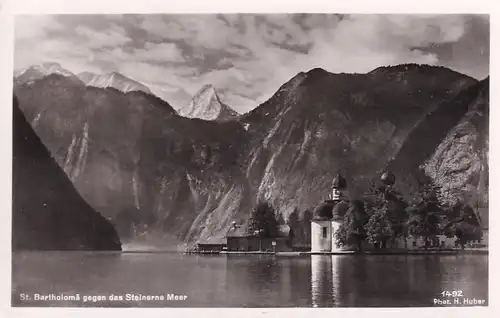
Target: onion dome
column 339, row 210
column 324, row 211
column 388, row 178
column 339, row 182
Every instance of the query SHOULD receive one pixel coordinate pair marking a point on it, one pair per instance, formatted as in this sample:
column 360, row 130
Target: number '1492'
column 453, row 293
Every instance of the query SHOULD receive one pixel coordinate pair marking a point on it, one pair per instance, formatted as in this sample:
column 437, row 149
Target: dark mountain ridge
column 48, row 213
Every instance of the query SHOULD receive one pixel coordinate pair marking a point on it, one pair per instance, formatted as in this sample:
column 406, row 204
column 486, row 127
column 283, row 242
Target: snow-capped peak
column 207, row 105
column 54, row 68
column 41, row 70
column 113, row 79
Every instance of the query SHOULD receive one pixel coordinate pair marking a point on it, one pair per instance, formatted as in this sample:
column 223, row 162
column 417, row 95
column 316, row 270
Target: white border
column 10, row 7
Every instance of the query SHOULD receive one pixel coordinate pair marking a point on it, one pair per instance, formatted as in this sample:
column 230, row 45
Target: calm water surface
column 245, row 281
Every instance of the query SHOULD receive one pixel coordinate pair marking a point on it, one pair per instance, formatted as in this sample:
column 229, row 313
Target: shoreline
column 354, row 253
column 292, row 253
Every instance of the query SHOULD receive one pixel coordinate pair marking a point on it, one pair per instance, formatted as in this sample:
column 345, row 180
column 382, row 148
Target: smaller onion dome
column 339, row 210
column 388, row 178
column 339, row 182
column 324, row 211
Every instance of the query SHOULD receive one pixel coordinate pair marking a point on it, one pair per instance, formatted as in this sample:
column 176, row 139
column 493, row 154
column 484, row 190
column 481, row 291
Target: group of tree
column 462, row 223
column 301, row 225
column 353, row 230
column 383, row 217
column 265, row 220
column 386, row 209
column 425, row 214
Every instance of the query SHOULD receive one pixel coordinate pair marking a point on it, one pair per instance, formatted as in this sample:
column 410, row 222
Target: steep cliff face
column 153, row 171
column 320, row 123
column 48, row 213
column 93, row 134
column 131, row 157
column 190, row 173
column 459, row 164
column 207, row 105
column 426, row 135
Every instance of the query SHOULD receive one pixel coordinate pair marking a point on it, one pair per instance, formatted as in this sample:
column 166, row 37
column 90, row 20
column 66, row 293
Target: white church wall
column 321, row 236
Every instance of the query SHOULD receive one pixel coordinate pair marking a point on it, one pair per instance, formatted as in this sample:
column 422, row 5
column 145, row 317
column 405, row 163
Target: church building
column 328, row 217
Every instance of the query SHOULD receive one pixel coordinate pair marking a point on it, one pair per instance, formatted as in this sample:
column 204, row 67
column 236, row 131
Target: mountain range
column 205, row 104
column 150, row 170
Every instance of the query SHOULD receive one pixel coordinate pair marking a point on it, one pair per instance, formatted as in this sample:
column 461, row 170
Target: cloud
column 207, row 31
column 112, row 37
column 34, row 26
column 53, row 50
column 238, row 102
column 247, row 56
column 167, row 52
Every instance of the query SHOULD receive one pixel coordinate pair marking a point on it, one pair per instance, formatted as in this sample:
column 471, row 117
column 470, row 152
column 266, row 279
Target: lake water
column 242, row 280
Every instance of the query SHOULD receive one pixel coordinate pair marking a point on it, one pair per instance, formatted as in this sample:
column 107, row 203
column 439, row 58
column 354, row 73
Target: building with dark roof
column 211, row 245
column 239, row 240
column 328, row 216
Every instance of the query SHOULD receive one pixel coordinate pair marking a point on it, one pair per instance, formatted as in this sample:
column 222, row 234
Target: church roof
column 339, row 182
column 324, row 210
column 330, row 209
column 340, row 209
column 388, row 178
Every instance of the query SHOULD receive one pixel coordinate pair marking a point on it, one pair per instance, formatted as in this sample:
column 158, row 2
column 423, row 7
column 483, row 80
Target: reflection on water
column 324, row 280
column 394, row 280
column 247, row 281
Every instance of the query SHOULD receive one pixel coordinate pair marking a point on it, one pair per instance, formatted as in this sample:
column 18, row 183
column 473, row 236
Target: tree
column 386, row 204
column 263, row 220
column 295, row 224
column 425, row 212
column 466, row 232
column 352, row 231
column 396, row 209
column 280, row 219
column 379, row 229
column 306, row 225
column 465, row 227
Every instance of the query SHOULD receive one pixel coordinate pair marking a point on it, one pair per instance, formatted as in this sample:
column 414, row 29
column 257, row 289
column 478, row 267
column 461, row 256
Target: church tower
column 328, row 217
column 339, row 189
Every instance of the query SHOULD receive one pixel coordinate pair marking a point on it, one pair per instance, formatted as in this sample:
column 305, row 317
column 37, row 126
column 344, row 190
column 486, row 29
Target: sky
column 247, row 57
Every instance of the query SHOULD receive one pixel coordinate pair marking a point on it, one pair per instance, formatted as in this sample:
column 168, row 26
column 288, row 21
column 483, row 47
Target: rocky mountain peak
column 207, row 105
column 35, row 72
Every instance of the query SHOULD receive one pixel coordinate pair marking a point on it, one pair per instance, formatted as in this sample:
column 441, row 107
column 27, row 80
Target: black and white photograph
column 250, row 160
